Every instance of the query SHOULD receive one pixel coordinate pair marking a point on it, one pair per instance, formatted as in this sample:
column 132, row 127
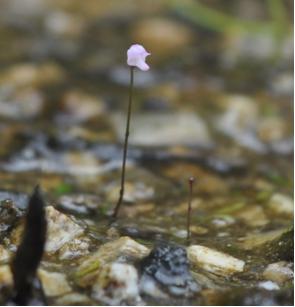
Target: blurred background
column 221, row 81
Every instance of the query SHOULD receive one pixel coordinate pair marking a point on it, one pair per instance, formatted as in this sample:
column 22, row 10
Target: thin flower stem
column 189, row 209
column 117, row 208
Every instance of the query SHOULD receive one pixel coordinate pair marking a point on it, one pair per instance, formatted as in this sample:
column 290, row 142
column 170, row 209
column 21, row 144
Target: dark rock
column 167, row 266
column 9, row 215
column 281, row 248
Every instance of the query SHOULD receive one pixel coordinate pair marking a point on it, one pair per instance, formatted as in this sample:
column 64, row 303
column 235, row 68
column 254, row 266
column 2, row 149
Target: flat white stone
column 281, row 204
column 214, row 261
column 268, row 285
column 54, row 283
column 61, row 230
column 117, row 283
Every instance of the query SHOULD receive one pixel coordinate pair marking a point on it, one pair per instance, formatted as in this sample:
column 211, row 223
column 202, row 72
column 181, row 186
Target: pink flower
column 136, row 55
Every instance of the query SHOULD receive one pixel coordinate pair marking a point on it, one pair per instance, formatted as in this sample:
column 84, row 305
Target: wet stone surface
column 9, row 215
column 167, row 268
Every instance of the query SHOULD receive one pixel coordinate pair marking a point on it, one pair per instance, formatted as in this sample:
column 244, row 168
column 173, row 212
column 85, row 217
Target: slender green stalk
column 117, row 208
column 189, row 209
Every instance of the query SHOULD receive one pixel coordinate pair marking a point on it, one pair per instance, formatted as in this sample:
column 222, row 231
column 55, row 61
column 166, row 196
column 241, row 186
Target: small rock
column 240, row 111
column 113, row 233
column 23, row 104
column 284, row 146
column 124, row 247
column 138, row 191
column 74, row 249
column 54, row 284
column 271, row 129
column 268, row 285
column 279, row 272
column 61, row 230
column 19, row 200
column 165, row 271
column 212, row 297
column 163, row 37
column 9, row 215
column 182, row 233
column 239, row 122
column 254, row 240
column 283, row 84
column 64, row 25
column 4, row 254
column 117, row 283
column 258, row 297
column 282, row 204
column 223, row 234
column 160, row 129
column 27, row 9
column 137, row 210
column 141, row 185
column 214, row 261
column 164, row 95
column 30, row 75
column 118, row 250
column 225, row 221
column 259, row 47
column 275, row 245
column 199, row 230
column 79, row 203
column 78, row 163
column 253, row 216
column 5, row 276
column 80, row 106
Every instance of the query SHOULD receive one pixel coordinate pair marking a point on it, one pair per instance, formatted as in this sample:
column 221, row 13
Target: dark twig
column 30, row 251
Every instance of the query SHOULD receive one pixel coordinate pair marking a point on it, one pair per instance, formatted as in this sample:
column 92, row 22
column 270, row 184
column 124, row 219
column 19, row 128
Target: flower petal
column 142, row 65
column 136, row 55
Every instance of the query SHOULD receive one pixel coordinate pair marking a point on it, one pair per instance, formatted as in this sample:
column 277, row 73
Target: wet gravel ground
column 209, row 108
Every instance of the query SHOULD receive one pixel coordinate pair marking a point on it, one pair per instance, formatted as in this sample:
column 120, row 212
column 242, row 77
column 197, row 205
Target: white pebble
column 214, row 261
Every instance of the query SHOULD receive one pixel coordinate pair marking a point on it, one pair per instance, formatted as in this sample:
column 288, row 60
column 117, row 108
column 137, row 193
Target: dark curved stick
column 30, row 251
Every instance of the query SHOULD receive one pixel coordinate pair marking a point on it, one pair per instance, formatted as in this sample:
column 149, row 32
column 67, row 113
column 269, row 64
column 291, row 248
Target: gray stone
column 154, row 129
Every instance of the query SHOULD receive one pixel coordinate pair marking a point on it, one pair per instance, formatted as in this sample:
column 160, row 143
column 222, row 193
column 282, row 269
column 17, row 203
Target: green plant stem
column 121, row 195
